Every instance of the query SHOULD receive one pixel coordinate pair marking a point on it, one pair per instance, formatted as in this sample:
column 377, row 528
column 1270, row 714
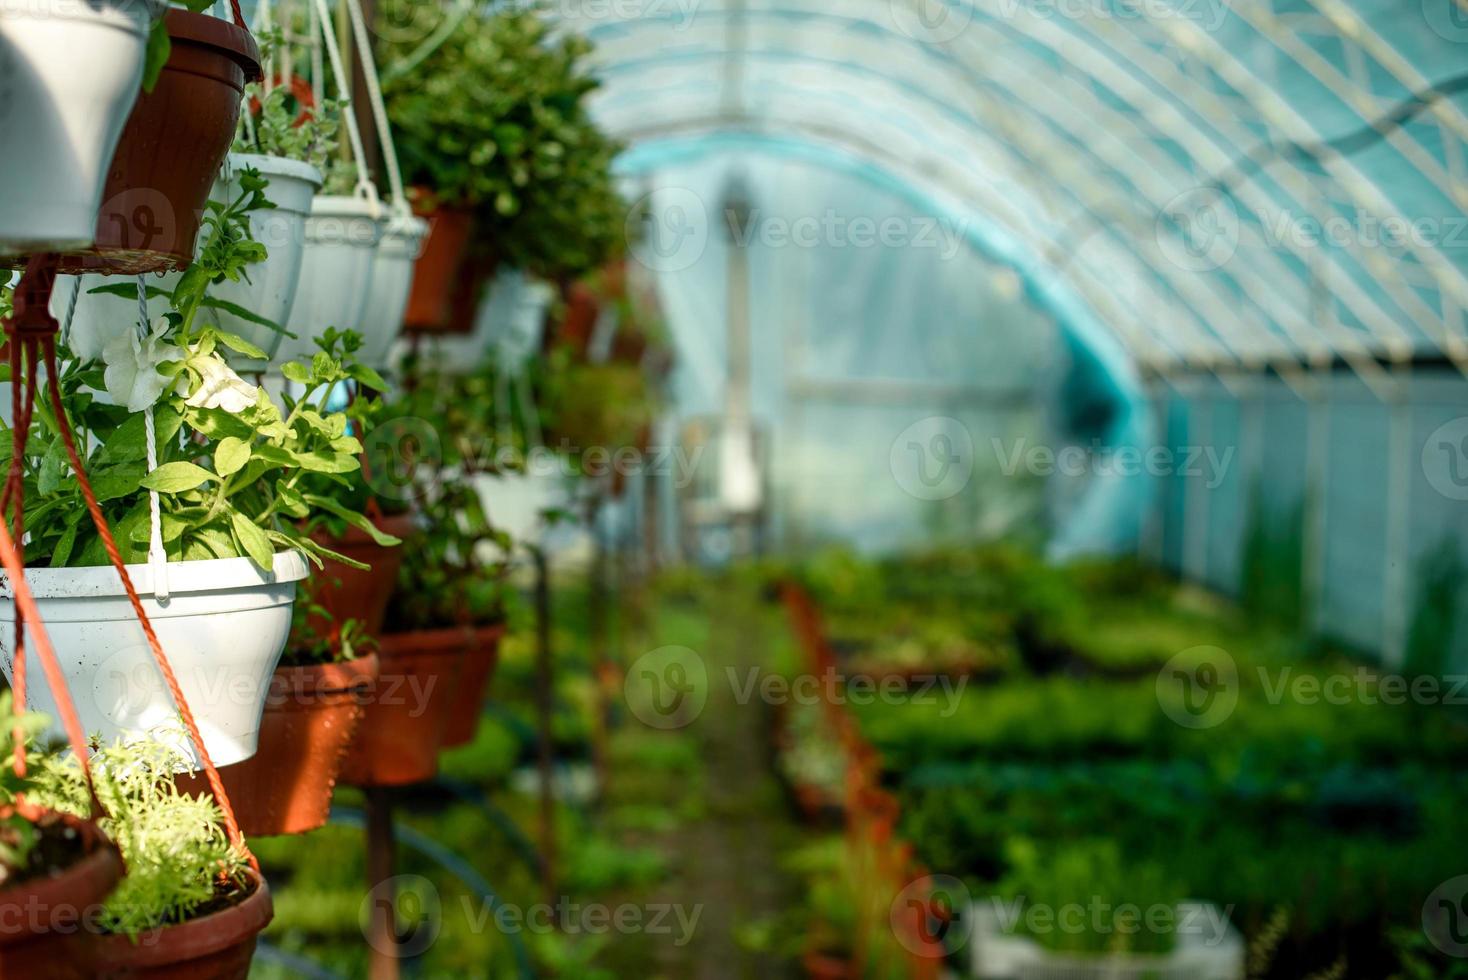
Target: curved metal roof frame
column 1102, row 121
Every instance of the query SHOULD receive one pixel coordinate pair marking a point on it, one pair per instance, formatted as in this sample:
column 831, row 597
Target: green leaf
column 177, row 478
column 252, row 540
column 115, row 482
column 230, row 456
column 240, row 345
column 353, row 518
column 234, row 309
column 156, row 55
column 297, row 372
column 317, row 548
column 366, row 377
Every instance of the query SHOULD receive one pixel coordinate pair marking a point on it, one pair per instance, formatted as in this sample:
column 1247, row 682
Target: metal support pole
column 544, row 708
column 1396, row 574
column 1317, row 455
column 383, row 963
column 1196, row 493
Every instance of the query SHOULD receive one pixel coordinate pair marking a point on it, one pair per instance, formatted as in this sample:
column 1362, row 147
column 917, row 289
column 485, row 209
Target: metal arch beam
column 1144, row 348
column 1168, row 277
column 1015, row 220
column 1377, row 316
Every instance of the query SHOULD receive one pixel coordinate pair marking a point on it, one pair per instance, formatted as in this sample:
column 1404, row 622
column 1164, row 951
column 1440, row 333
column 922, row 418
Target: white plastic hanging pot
column 336, row 273
column 392, row 281
column 69, row 73
column 272, row 284
column 223, row 628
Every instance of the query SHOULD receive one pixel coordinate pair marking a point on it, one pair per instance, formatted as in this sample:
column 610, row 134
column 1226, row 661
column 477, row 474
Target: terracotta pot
column 822, row 966
column 171, row 149
column 310, row 717
column 215, row 947
column 430, row 303
column 56, row 947
column 407, row 710
column 583, row 309
column 357, row 593
column 480, row 660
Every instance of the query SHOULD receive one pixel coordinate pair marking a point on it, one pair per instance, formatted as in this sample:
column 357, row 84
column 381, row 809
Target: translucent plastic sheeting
column 881, row 320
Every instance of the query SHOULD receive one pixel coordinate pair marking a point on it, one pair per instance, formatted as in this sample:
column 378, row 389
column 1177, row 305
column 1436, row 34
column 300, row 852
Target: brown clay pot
column 310, row 717
column 407, row 710
column 171, row 149
column 430, row 303
column 218, row 946
column 583, row 309
column 357, row 593
column 468, row 291
column 480, row 660
column 55, row 946
column 823, row 966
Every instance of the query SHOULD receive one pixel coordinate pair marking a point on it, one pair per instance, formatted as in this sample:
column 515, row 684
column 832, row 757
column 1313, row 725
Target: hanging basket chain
column 32, row 332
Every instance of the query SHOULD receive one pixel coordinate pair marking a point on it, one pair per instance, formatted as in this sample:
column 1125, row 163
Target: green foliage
column 19, row 837
column 1434, row 625
column 179, row 860
column 495, row 120
column 160, row 46
column 1272, row 582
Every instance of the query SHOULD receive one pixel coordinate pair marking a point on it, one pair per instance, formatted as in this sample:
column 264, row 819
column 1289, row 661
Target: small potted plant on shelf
column 507, row 165
column 311, row 716
column 188, row 904
column 218, row 556
column 49, row 860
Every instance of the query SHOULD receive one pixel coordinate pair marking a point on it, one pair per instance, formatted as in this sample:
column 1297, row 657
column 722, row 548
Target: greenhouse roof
column 1221, row 185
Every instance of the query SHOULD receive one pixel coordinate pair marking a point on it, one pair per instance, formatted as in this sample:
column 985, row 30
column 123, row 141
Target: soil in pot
column 217, row 944
column 430, row 302
column 311, row 715
column 72, row 868
column 171, row 149
column 360, row 593
column 407, row 710
column 480, row 661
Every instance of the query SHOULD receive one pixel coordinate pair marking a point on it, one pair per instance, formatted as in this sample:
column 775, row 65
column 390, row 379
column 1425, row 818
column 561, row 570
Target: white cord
column 379, row 108
column 76, row 296
column 157, row 557
column 365, row 187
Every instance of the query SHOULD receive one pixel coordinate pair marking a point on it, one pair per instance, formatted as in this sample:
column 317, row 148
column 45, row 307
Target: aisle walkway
column 725, row 858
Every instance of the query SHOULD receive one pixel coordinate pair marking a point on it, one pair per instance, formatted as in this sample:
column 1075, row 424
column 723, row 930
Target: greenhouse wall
column 1374, row 557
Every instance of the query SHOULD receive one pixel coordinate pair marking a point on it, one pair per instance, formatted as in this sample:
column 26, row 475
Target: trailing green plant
column 232, row 463
column 316, row 638
column 180, row 863
column 494, row 119
column 160, row 46
column 23, row 854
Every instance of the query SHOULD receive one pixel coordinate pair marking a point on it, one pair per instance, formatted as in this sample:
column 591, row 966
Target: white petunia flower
column 220, row 387
column 132, row 377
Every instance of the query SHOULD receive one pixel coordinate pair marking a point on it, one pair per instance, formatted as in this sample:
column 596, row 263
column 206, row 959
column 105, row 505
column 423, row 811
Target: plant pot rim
column 83, row 883
column 206, row 30
column 412, row 641
column 195, row 938
column 333, row 678
column 122, row 14
column 274, row 166
column 347, row 206
column 185, row 578
column 404, row 227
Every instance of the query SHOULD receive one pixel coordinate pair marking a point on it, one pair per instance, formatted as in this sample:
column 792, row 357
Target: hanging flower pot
column 450, row 230
column 480, row 660
column 272, row 283
column 342, row 235
column 69, row 74
column 54, row 945
column 407, row 712
column 310, row 718
column 171, row 149
column 218, row 946
column 392, row 281
column 361, row 593
column 223, row 628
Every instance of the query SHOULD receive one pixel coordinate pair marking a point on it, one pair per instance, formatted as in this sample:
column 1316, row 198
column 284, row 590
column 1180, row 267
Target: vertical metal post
column 1317, row 477
column 544, row 706
column 1195, row 525
column 383, row 961
column 1397, row 574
